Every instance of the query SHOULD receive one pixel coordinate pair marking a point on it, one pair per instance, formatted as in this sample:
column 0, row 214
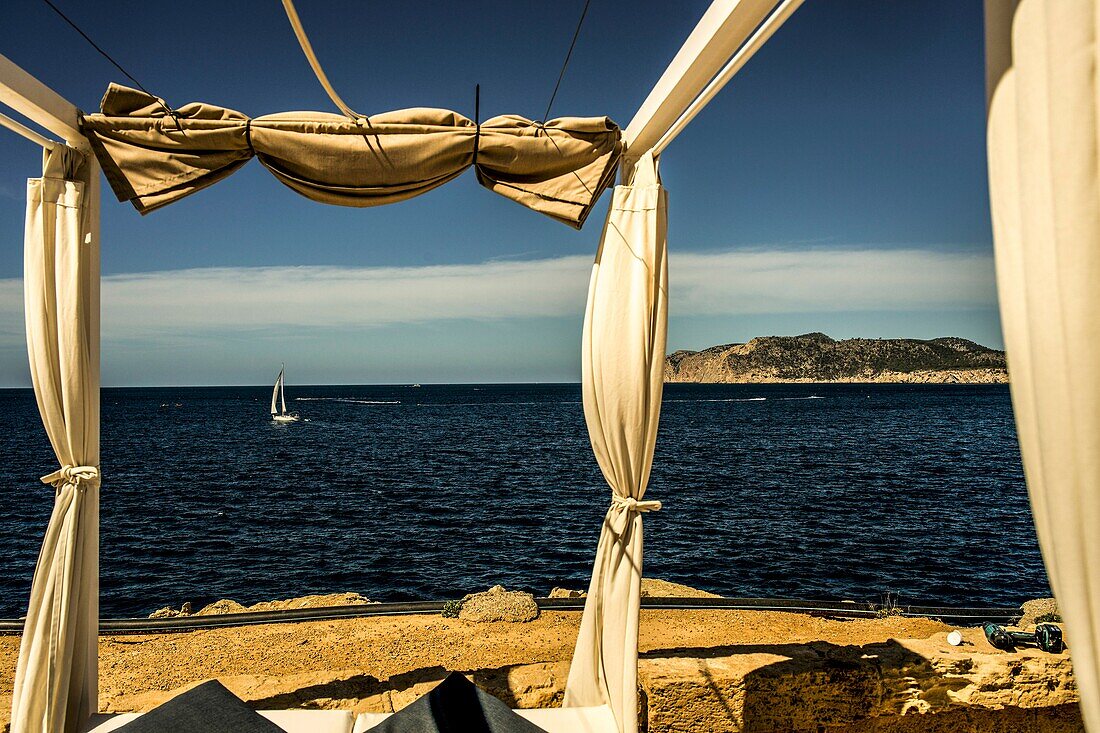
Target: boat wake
column 753, row 399
column 489, row 403
column 727, row 399
column 348, row 400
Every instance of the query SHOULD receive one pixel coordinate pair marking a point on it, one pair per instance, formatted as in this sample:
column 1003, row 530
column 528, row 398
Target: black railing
column 845, row 609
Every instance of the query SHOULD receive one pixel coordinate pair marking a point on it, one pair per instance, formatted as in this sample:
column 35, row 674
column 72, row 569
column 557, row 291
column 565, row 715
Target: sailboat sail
column 282, row 394
column 276, row 392
column 278, row 401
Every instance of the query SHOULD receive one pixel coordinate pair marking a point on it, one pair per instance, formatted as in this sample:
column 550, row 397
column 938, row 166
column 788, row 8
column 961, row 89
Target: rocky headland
column 814, row 357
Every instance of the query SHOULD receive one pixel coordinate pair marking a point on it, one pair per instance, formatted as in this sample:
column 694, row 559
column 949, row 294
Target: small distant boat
column 279, row 413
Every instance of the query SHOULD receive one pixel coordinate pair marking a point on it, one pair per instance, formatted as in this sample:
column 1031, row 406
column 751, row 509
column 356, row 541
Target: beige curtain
column 153, row 158
column 622, row 369
column 1044, row 180
column 56, row 677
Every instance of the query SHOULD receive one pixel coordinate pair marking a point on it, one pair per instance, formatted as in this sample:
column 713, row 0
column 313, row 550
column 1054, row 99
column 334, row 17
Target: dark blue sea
column 808, row 491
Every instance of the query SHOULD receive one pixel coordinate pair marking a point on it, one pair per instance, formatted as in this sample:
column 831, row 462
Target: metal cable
column 108, row 56
column 565, row 65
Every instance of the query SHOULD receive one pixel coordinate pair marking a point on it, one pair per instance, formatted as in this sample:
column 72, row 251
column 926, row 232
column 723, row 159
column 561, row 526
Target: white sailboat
column 279, row 413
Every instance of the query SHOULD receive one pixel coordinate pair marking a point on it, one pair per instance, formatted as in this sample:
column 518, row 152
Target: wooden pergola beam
column 37, row 102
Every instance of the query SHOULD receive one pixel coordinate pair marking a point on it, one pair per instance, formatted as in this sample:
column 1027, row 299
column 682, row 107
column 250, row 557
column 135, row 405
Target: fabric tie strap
column 631, row 504
column 78, row 476
column 307, row 49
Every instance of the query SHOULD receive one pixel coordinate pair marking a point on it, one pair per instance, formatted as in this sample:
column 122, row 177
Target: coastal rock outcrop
column 657, row 588
column 497, row 604
column 326, row 600
column 222, row 607
column 1039, row 610
column 814, row 357
column 227, row 605
column 651, row 588
column 167, row 612
column 566, row 593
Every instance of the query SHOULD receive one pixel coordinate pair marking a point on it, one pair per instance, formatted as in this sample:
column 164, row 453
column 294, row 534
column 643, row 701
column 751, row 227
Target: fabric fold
column 153, row 156
column 1044, row 188
column 622, row 373
column 55, row 687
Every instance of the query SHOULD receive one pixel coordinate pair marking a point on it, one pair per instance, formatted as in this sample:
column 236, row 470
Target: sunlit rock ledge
column 227, row 605
column 700, row 671
column 902, row 685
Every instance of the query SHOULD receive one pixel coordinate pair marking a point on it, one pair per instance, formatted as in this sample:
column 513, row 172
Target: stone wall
column 911, row 685
column 906, row 686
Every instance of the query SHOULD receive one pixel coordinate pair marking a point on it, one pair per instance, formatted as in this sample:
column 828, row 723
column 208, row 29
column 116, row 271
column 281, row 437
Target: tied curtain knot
column 78, row 476
column 631, row 504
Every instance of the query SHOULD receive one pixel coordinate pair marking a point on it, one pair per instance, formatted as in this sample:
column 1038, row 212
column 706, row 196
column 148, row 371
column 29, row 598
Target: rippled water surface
column 811, row 491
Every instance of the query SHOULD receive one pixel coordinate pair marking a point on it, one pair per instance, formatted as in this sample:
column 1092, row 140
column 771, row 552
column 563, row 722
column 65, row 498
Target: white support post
column 726, row 37
column 37, row 102
column 717, row 36
column 735, row 64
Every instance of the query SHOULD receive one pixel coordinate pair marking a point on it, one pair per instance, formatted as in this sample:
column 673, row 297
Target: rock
column 316, row 601
column 538, row 685
column 651, row 588
column 656, row 588
column 223, row 606
column 497, row 604
column 1037, row 608
column 567, row 593
column 905, row 686
column 165, row 612
column 226, row 605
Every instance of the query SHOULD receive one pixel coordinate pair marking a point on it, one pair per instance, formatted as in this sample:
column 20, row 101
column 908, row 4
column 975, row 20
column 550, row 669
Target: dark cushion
column 208, row 708
column 456, row 705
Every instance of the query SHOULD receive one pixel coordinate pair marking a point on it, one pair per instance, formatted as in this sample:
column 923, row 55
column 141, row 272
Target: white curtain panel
column 1044, row 181
column 622, row 368
column 56, row 677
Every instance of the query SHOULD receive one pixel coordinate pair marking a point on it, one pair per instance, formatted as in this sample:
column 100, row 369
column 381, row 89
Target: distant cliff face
column 814, row 357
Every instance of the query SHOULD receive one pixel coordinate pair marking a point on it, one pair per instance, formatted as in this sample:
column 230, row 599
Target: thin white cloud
column 828, row 280
column 228, row 300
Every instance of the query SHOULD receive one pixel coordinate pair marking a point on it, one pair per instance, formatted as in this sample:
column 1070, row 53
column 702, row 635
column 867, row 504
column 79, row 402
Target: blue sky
column 837, row 184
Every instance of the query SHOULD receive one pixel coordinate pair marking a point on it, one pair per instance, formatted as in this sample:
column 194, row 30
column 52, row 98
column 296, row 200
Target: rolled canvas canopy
column 153, row 155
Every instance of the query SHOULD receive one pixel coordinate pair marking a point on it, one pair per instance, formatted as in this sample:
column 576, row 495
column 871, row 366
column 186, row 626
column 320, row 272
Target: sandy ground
column 386, row 646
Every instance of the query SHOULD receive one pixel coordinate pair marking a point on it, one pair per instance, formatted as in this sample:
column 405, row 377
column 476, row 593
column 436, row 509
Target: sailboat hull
column 292, row 417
